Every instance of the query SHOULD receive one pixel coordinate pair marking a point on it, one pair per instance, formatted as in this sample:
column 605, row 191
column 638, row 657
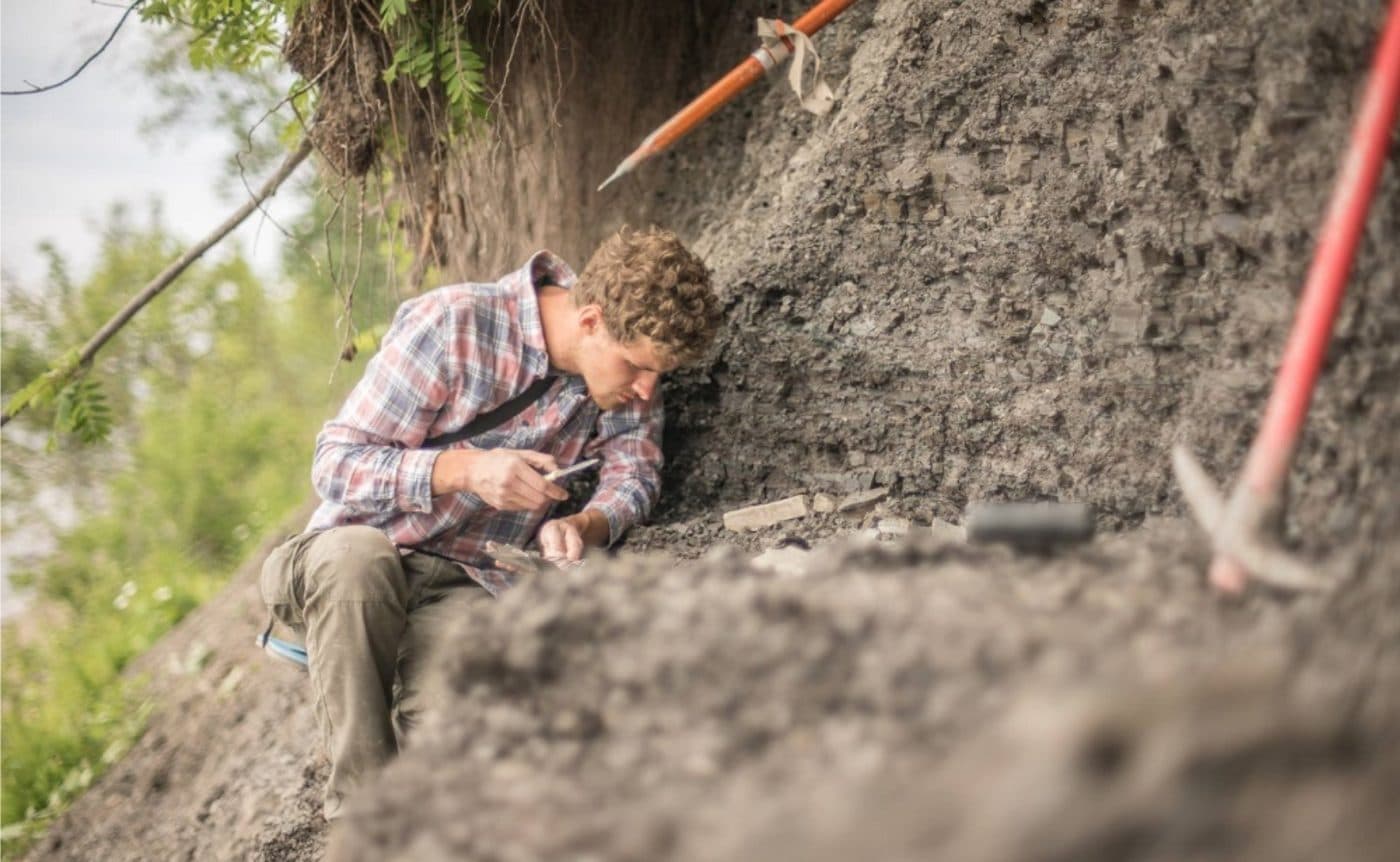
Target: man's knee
column 429, row 632
column 355, row 564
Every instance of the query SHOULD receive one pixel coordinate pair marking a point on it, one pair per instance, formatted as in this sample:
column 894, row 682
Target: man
column 397, row 548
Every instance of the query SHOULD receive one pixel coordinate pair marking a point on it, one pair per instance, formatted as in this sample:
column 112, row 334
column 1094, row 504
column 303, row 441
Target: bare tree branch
column 171, row 272
column 34, row 88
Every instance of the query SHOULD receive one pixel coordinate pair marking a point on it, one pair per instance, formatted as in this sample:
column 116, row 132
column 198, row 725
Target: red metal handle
column 1269, row 455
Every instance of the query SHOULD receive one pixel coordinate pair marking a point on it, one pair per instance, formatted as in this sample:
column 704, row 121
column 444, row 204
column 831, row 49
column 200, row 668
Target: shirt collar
column 543, row 268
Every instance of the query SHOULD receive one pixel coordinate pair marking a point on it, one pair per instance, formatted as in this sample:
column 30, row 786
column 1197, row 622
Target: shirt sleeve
column 367, row 458
column 629, row 442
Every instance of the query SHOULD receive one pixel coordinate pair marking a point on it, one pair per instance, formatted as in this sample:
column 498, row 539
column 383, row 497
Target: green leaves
column 411, row 61
column 391, row 11
column 432, row 50
column 233, row 34
column 81, row 407
column 461, row 72
column 83, row 411
column 429, row 44
column 210, row 403
column 41, row 391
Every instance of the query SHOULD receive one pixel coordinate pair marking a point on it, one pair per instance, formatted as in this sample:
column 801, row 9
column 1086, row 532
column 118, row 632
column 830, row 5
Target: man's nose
column 645, row 384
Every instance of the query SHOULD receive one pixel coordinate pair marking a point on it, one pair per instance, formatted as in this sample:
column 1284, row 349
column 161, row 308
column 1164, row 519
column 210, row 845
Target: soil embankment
column 1035, row 244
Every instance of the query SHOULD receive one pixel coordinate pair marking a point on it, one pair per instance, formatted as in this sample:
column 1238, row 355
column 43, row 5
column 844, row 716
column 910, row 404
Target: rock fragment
column 893, row 527
column 861, row 499
column 823, row 503
column 947, row 531
column 766, row 514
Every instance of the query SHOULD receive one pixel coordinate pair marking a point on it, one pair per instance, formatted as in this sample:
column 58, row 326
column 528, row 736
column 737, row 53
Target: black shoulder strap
column 495, row 418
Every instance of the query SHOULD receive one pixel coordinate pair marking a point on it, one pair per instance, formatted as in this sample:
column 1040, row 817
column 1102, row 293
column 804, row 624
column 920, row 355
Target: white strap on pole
column 773, row 32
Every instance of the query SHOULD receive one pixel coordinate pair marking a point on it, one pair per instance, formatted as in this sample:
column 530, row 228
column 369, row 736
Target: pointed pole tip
column 621, row 169
column 627, row 165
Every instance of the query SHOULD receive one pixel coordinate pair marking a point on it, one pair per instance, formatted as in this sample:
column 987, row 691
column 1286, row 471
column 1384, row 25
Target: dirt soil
column 1035, row 244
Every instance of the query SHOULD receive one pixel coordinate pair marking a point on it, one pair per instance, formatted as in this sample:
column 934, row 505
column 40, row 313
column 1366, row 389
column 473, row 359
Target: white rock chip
column 766, row 514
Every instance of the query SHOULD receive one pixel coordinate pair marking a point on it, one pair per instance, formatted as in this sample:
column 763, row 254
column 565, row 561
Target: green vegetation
column 431, row 50
column 427, row 59
column 213, row 396
column 159, row 465
column 426, row 39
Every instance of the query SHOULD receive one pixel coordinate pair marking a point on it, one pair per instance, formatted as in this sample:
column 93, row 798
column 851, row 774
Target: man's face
column 618, row 373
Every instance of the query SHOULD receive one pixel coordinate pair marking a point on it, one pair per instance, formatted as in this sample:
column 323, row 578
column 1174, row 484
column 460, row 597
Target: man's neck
column 560, row 325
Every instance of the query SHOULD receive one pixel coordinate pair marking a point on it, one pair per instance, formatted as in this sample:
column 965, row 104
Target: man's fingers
column 541, row 486
column 573, row 545
column 514, row 482
column 515, row 497
column 552, row 544
column 560, row 542
column 539, row 460
column 544, row 464
column 523, row 499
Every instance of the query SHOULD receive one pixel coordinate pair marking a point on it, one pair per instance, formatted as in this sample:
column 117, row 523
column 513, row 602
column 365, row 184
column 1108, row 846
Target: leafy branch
column 82, row 411
column 235, row 34
column 430, row 49
column 43, row 389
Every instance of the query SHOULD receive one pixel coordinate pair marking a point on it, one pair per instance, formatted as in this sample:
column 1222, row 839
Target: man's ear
column 590, row 318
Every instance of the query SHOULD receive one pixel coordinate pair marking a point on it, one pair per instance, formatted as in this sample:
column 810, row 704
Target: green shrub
column 210, row 450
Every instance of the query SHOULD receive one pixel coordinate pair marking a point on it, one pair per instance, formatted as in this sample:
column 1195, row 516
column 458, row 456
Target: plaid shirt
column 450, row 355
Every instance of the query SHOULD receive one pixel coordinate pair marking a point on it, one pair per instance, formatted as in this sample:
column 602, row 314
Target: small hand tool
column 556, row 475
column 1030, row 526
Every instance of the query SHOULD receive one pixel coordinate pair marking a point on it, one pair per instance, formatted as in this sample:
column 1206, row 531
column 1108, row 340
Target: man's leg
column 346, row 589
column 445, row 600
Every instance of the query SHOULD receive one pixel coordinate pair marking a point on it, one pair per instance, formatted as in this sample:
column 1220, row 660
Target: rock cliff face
column 1035, row 244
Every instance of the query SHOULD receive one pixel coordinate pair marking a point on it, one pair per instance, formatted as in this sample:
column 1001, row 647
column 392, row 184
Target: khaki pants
column 370, row 617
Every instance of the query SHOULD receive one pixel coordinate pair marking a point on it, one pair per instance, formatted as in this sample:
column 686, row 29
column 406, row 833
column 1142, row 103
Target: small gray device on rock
column 1030, row 526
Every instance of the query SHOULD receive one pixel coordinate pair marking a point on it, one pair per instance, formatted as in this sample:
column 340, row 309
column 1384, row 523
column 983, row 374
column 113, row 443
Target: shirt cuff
column 414, row 490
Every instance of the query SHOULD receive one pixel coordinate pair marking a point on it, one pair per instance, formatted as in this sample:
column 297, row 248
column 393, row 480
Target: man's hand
column 562, row 540
column 505, row 479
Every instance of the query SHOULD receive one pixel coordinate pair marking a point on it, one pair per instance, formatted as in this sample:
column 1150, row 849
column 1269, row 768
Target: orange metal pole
column 724, row 90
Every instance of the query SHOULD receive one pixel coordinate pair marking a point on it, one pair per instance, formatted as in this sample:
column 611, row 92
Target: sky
column 68, row 154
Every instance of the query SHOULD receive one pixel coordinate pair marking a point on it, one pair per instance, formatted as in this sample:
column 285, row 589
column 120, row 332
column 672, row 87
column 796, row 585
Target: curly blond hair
column 649, row 285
